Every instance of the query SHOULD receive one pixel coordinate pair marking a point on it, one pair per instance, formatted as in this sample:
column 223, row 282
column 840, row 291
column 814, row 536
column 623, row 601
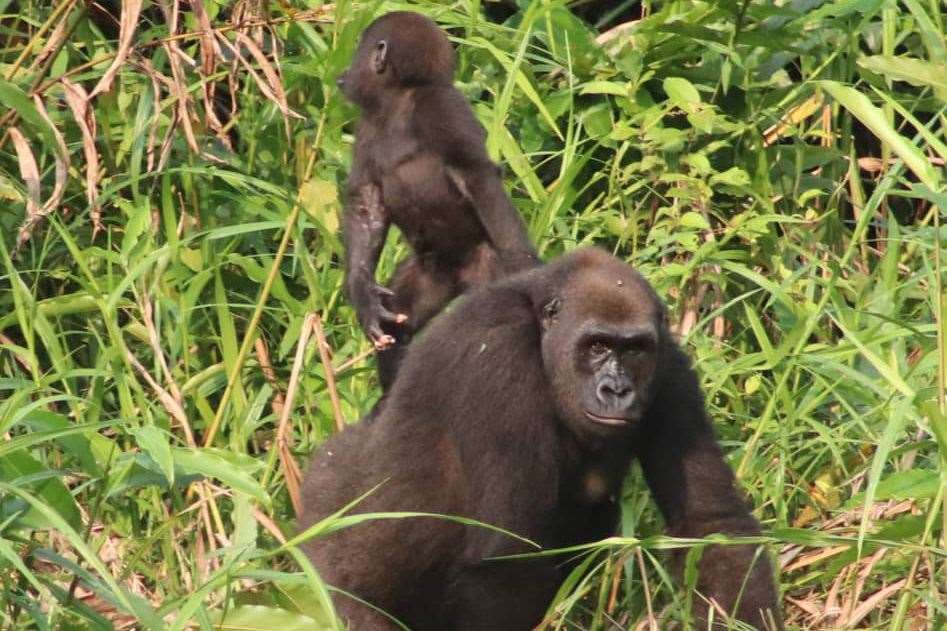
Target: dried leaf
column 78, row 102
column 180, row 92
column 28, row 171
column 793, row 117
column 177, row 86
column 874, row 165
column 129, row 21
column 62, row 159
column 157, row 79
column 616, row 31
column 53, row 42
column 272, row 87
column 62, row 169
column 872, row 603
column 208, row 48
column 170, row 404
column 209, row 52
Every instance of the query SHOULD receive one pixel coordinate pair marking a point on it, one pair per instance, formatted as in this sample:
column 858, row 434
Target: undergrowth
column 174, row 341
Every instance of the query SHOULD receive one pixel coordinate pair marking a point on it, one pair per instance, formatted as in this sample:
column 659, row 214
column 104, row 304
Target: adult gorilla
column 523, row 407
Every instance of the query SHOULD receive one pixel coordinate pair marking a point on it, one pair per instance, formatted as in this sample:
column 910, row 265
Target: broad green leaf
column 300, row 598
column 229, row 468
column 908, row 69
column 12, row 97
column 46, row 485
column 734, row 176
column 260, row 618
column 244, row 228
column 320, row 199
column 912, row 484
column 156, row 443
column 605, row 87
column 682, row 93
column 874, row 119
column 695, row 221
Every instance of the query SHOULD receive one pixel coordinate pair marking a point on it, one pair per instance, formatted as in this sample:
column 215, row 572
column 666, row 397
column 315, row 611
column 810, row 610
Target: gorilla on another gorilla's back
column 522, row 407
column 420, row 163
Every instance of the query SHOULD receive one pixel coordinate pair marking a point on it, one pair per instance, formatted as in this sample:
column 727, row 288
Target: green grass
column 167, row 272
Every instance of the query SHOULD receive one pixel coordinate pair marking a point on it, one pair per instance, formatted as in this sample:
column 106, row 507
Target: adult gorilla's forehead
column 615, row 294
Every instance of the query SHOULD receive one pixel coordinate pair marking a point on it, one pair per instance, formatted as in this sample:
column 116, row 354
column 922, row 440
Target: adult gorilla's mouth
column 613, row 421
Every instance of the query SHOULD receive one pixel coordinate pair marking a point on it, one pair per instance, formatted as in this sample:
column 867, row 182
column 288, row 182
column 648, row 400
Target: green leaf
column 597, row 120
column 694, row 220
column 897, row 418
column 28, row 472
column 605, row 87
column 192, row 258
column 47, row 426
column 874, row 119
column 752, row 384
column 682, row 93
column 908, row 69
column 156, row 443
column 320, row 199
column 260, row 618
column 521, row 80
column 913, row 484
column 931, row 31
column 703, row 119
column 299, row 598
column 138, row 219
column 232, row 469
column 244, row 228
column 13, row 97
column 734, row 176
column 889, row 372
column 128, row 602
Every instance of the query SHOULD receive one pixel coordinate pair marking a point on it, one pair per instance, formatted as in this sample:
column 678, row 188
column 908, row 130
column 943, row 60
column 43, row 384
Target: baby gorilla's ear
column 379, row 56
column 550, row 312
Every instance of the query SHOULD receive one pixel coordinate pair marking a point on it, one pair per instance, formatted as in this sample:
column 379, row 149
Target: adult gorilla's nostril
column 609, row 392
column 606, row 392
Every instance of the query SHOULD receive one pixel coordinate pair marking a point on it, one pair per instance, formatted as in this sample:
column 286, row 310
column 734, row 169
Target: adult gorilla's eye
column 639, row 346
column 599, row 349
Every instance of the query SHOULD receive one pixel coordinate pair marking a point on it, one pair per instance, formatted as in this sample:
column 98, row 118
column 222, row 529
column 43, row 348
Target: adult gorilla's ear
column 379, row 56
column 664, row 319
column 550, row 312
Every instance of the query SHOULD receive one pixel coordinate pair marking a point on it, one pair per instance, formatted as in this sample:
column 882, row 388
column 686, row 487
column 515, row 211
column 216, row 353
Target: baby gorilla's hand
column 372, row 313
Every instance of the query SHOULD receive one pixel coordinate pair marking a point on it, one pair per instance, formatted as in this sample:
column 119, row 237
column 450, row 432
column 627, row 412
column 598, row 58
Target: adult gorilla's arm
column 501, row 420
column 697, row 494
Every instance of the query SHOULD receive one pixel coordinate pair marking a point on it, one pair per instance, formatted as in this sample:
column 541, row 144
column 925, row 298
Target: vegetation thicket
column 174, row 341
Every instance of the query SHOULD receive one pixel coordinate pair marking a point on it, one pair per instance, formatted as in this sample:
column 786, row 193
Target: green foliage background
column 775, row 169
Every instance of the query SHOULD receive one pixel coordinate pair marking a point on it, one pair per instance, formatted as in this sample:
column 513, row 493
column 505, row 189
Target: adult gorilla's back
column 522, row 407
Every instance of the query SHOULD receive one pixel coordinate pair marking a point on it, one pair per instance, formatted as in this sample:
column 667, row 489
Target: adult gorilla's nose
column 615, row 393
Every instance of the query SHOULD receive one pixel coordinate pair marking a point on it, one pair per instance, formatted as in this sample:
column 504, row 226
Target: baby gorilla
column 420, row 164
column 523, row 407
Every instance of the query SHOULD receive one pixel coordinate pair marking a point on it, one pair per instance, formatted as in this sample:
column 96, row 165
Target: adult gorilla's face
column 601, row 340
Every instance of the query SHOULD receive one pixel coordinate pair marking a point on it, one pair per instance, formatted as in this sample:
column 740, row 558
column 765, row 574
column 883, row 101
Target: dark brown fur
column 486, row 421
column 420, row 164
